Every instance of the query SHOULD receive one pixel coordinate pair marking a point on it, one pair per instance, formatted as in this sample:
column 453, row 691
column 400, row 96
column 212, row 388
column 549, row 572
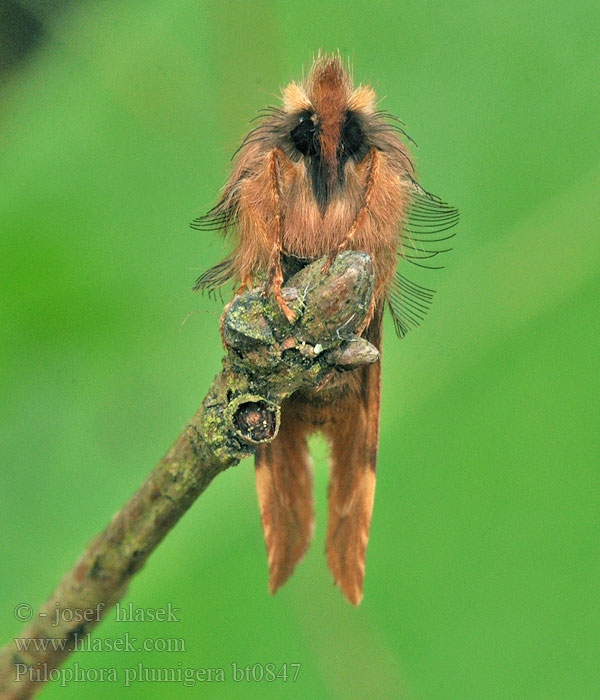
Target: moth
column 324, row 172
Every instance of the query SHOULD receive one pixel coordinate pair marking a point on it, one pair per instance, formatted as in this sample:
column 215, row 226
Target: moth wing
column 284, row 486
column 354, row 440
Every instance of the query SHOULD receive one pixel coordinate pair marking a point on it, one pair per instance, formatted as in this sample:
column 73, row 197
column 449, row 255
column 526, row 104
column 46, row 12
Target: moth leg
column 275, row 282
column 275, row 279
column 362, row 212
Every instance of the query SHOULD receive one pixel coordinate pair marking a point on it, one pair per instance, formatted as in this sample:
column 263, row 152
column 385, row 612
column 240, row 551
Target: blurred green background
column 116, row 130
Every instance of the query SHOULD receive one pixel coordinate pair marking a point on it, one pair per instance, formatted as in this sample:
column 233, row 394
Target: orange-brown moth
column 324, row 172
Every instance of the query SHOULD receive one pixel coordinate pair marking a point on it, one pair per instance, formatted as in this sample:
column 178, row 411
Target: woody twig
column 266, row 360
